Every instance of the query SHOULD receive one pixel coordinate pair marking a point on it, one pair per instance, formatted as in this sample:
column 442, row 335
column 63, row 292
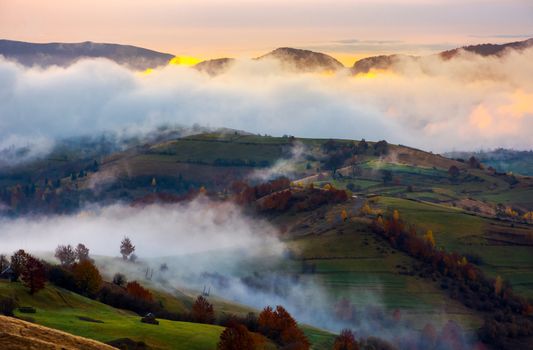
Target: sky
column 246, row 28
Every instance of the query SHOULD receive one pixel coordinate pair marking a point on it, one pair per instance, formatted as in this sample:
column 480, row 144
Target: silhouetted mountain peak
column 304, row 60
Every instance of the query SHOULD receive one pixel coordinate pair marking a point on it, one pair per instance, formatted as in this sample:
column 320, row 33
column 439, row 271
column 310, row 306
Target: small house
column 7, row 274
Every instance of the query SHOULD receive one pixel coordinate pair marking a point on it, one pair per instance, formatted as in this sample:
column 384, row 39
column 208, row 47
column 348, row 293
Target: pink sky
column 212, row 28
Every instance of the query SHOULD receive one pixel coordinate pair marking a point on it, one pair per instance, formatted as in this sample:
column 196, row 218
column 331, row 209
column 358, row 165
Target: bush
column 27, row 309
column 62, row 278
column 236, row 337
column 7, row 306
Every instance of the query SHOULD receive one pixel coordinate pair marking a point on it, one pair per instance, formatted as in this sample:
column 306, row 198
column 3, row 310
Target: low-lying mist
column 211, row 245
column 157, row 230
column 465, row 103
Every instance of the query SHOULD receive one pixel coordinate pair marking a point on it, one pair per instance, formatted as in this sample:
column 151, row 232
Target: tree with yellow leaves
column 344, row 215
column 510, row 212
column 498, row 285
column 396, row 215
column 528, row 216
column 366, row 210
column 428, row 237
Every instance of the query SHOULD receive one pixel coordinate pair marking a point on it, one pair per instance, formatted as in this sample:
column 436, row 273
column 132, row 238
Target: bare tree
column 82, row 252
column 126, row 248
column 66, row 255
column 120, row 279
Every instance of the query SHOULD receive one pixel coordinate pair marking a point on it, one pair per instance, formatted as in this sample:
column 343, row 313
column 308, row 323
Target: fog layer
column 468, row 102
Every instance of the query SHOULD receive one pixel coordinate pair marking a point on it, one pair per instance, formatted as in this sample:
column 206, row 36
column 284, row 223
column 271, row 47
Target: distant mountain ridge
column 386, row 61
column 138, row 58
column 65, row 54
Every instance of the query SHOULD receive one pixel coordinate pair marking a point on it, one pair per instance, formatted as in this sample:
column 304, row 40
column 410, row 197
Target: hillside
column 502, row 160
column 215, row 66
column 65, row 54
column 69, row 312
column 471, row 210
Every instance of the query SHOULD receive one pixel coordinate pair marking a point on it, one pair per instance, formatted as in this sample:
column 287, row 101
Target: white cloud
column 466, row 103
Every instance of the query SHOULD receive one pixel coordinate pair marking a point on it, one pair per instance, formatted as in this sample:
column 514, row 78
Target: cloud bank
column 466, row 103
column 169, row 230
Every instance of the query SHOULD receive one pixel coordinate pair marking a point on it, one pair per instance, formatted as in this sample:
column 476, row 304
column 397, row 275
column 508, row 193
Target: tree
column 82, row 252
column 381, row 148
column 3, row 262
column 334, row 162
column 119, row 279
column 454, row 172
column 474, row 163
column 202, row 311
column 346, row 341
column 362, row 147
column 428, row 237
column 33, row 274
column 137, row 291
column 87, row 277
column 235, row 337
column 280, row 327
column 344, row 215
column 18, row 261
column 126, row 248
column 386, row 175
column 66, row 255
column 498, row 285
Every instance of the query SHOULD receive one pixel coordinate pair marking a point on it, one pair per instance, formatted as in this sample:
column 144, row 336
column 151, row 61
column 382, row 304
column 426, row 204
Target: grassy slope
column 457, row 231
column 352, row 263
column 60, row 309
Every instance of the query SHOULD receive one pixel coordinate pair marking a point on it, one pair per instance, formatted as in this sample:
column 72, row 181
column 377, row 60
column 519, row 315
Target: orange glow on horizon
column 185, row 61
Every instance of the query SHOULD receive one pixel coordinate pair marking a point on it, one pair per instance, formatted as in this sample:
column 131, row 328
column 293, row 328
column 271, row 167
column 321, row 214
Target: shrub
column 235, row 337
column 7, row 306
column 87, row 277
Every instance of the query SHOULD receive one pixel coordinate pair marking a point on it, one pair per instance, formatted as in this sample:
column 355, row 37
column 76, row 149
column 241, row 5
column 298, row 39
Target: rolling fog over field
column 467, row 103
column 205, row 245
column 209, row 246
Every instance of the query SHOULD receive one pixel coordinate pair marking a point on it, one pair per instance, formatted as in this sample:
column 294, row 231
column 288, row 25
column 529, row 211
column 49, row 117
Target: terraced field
column 489, row 240
column 353, row 263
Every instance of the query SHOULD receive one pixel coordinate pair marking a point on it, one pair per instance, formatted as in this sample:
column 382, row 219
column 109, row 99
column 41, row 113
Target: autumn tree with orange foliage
column 137, row 291
column 236, row 337
column 202, row 311
column 346, row 341
column 280, row 327
column 87, row 277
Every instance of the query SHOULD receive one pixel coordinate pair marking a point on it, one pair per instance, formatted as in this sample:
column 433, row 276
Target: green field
column 60, row 309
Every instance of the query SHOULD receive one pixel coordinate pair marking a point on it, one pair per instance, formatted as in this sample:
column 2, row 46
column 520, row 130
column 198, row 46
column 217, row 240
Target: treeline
column 278, row 196
column 337, row 153
column 508, row 315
